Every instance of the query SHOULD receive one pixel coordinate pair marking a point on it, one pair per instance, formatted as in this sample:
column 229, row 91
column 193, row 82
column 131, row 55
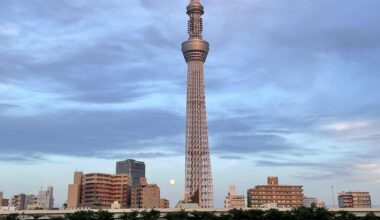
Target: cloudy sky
column 292, row 90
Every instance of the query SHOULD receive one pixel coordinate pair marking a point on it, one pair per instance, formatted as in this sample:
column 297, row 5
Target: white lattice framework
column 198, row 167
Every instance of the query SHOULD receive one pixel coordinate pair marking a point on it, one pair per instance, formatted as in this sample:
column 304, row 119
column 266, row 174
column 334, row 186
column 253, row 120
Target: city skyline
column 292, row 91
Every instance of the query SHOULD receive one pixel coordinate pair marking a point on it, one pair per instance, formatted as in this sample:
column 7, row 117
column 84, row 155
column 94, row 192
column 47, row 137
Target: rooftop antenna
column 332, row 194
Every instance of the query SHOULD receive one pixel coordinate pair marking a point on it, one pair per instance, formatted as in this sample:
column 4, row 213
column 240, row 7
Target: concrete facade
column 233, row 201
column 146, row 196
column 45, row 198
column 354, row 200
column 99, row 190
column 285, row 196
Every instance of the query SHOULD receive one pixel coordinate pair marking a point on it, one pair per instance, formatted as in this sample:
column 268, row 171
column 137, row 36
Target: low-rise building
column 99, row 190
column 3, row 202
column 164, row 204
column 285, row 196
column 186, row 202
column 233, row 201
column 22, row 201
column 354, row 200
column 309, row 202
column 146, row 196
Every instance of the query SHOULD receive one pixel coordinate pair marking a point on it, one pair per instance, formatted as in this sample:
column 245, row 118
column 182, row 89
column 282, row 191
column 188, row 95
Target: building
column 233, row 201
column 186, row 203
column 135, row 169
column 3, row 202
column 164, row 204
column 99, row 190
column 74, row 191
column 198, row 176
column 22, row 201
column 285, row 196
column 45, row 198
column 146, row 196
column 310, row 202
column 354, row 200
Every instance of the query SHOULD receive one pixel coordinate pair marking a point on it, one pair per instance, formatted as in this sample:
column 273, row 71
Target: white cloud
column 345, row 126
column 9, row 30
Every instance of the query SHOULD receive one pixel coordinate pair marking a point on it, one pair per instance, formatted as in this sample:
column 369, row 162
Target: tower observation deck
column 198, row 167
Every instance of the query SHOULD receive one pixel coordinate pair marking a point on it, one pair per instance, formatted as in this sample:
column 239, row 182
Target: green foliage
column 343, row 215
column 151, row 215
column 81, row 215
column 181, row 215
column 202, row 216
column 103, row 215
column 129, row 216
column 371, row 216
column 301, row 213
column 11, row 217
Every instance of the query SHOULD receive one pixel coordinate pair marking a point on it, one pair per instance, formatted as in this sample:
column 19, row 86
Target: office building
column 99, row 190
column 146, row 196
column 22, row 201
column 233, row 201
column 354, row 200
column 45, row 198
column 135, row 169
column 284, row 196
column 198, row 176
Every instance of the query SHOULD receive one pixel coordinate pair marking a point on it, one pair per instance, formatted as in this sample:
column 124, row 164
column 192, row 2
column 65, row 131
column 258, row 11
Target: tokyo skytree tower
column 198, row 167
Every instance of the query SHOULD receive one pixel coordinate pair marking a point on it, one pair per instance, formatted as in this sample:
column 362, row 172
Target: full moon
column 172, row 181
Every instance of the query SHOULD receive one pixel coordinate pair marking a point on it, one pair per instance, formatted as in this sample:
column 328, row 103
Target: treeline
column 302, row 213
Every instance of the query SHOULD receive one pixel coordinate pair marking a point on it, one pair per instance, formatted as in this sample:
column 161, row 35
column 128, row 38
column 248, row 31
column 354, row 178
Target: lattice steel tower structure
column 198, row 167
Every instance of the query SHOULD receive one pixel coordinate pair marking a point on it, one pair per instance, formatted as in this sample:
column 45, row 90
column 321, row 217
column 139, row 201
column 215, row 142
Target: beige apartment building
column 146, row 196
column 99, row 190
column 233, row 201
column 283, row 196
column 354, row 200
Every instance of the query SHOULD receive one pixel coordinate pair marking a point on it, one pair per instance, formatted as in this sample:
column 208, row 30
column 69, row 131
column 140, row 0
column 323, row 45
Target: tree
column 181, row 215
column 11, row 217
column 273, row 214
column 370, row 216
column 239, row 214
column 202, row 216
column 103, row 215
column 151, row 215
column 81, row 215
column 130, row 216
column 344, row 215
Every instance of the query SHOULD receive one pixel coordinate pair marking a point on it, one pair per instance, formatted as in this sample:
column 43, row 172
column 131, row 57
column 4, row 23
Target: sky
column 292, row 90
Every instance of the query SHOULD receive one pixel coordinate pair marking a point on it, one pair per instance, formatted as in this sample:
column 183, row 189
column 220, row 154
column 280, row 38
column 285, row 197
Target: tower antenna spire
column 199, row 184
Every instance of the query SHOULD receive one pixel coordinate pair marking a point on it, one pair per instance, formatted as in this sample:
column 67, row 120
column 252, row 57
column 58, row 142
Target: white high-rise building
column 45, row 198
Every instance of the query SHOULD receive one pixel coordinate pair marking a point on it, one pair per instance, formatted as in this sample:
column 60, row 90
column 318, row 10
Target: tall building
column 22, row 201
column 99, row 190
column 198, row 167
column 284, row 196
column 135, row 169
column 74, row 191
column 354, row 200
column 146, row 196
column 233, row 201
column 45, row 198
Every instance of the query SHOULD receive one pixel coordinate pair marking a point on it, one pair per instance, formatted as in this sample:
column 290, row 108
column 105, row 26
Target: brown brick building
column 354, row 200
column 284, row 196
column 164, row 204
column 99, row 190
column 146, row 196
